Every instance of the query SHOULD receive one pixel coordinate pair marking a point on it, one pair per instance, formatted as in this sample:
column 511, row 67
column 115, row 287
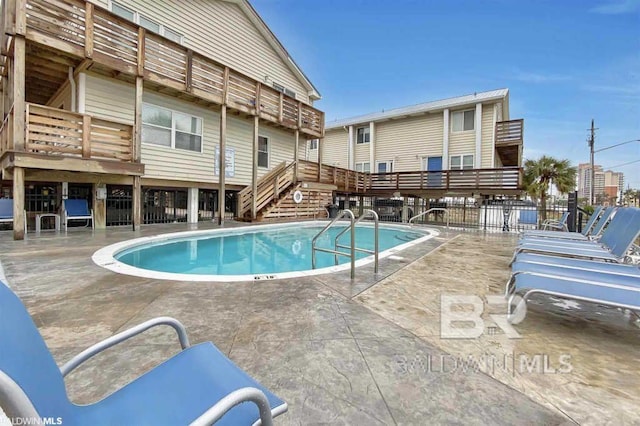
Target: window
column 363, row 167
column 145, row 22
column 263, row 152
column 461, row 162
column 463, row 121
column 122, row 11
column 161, row 126
column 384, row 166
column 313, row 144
column 149, row 24
column 281, row 88
column 362, row 135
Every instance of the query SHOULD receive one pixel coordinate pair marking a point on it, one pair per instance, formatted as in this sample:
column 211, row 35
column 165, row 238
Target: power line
column 618, row 144
column 623, row 164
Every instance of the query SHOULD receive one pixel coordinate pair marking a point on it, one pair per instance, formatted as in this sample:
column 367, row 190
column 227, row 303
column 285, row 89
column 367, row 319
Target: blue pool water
column 253, row 251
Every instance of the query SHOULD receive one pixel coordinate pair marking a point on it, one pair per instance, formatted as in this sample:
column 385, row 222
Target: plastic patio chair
column 597, row 217
column 6, row 212
column 76, row 210
column 560, row 224
column 197, row 386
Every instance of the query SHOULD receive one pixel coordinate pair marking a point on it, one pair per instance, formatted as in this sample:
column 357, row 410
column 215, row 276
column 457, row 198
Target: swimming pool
column 250, row 252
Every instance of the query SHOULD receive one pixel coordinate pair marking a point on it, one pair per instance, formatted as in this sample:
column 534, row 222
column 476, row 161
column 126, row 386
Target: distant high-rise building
column 608, row 184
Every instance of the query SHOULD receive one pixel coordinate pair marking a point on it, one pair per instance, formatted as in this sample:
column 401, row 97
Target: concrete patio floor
column 337, row 351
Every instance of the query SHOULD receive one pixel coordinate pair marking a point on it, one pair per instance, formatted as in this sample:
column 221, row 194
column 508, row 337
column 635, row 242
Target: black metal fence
column 509, row 215
column 119, row 205
column 164, row 206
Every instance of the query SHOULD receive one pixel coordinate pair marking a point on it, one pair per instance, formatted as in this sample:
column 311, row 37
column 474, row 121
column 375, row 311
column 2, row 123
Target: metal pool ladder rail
column 352, row 246
column 435, row 209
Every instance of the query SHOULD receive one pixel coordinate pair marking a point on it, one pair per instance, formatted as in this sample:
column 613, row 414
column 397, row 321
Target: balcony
column 61, row 140
column 509, row 140
column 74, row 33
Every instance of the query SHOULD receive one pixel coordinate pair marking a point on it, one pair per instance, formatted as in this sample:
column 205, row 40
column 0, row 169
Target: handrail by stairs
column 375, row 250
column 435, row 209
column 352, row 253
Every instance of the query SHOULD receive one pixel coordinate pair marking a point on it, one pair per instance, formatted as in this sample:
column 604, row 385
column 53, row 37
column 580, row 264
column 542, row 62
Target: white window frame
column 136, row 20
column 366, row 132
column 282, row 89
column 453, row 113
column 461, row 157
column 173, row 129
column 389, row 167
column 268, row 152
column 362, row 168
column 313, row 144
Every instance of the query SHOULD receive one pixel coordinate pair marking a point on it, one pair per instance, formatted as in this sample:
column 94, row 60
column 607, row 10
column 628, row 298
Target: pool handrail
column 352, row 253
column 375, row 250
column 446, row 211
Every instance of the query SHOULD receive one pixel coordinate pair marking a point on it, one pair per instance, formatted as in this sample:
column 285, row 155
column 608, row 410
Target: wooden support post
column 18, row 203
column 18, row 89
column 21, row 17
column 280, row 108
column 189, row 70
column 136, row 203
column 222, row 163
column 296, row 155
column 141, row 50
column 137, row 121
column 88, row 30
column 254, row 172
column 258, row 101
column 225, row 85
column 320, row 146
column 99, row 207
column 86, row 136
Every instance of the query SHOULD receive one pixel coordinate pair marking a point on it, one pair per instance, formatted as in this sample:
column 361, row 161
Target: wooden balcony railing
column 446, row 180
column 53, row 131
column 79, row 28
column 509, row 132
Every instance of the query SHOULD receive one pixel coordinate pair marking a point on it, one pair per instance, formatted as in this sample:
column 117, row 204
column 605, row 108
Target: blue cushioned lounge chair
column 197, row 386
column 616, row 240
column 560, row 224
column 600, row 215
column 616, row 290
column 6, row 210
column 76, row 210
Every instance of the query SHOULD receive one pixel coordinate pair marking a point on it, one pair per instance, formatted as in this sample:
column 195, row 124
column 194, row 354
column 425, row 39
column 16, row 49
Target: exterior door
column 434, row 166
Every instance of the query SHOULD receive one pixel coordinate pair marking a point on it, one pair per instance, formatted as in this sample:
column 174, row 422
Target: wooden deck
column 63, row 140
column 82, row 35
column 272, row 187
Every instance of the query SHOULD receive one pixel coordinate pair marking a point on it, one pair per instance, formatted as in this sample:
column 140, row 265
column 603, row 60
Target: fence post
column 486, row 210
column 572, row 206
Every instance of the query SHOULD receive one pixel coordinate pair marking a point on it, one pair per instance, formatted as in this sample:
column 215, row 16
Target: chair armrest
column 121, row 337
column 239, row 396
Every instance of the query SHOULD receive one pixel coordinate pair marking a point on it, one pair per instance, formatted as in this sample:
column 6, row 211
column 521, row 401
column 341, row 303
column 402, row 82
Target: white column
column 493, row 136
column 445, row 140
column 372, row 144
column 192, row 205
column 351, row 164
column 478, row 157
column 82, row 90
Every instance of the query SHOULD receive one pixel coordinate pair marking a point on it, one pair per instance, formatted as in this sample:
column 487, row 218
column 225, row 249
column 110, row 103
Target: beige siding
column 114, row 100
column 110, row 99
column 487, row 135
column 222, row 31
column 334, row 151
column 404, row 140
column 362, row 152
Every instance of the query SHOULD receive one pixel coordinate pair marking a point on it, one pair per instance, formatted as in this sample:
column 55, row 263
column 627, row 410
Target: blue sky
column 564, row 61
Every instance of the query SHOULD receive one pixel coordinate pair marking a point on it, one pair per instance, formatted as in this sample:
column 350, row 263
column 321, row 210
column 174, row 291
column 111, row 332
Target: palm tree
column 541, row 173
column 629, row 196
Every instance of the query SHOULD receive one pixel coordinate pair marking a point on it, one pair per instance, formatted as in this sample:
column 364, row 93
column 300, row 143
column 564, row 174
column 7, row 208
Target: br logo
column 461, row 316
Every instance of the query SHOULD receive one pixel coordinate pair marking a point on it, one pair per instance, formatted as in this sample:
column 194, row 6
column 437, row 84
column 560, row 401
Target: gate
column 164, row 206
column 119, row 205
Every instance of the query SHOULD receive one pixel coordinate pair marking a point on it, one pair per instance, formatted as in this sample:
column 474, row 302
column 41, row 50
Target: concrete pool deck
column 339, row 352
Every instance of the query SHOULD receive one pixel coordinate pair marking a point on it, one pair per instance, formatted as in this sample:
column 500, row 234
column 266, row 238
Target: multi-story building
column 608, row 184
column 153, row 111
column 466, row 144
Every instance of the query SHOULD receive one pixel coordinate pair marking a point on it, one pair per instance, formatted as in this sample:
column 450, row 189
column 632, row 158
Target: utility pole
column 592, row 189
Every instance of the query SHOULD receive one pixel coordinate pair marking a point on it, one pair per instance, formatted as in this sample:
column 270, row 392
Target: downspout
column 72, row 85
